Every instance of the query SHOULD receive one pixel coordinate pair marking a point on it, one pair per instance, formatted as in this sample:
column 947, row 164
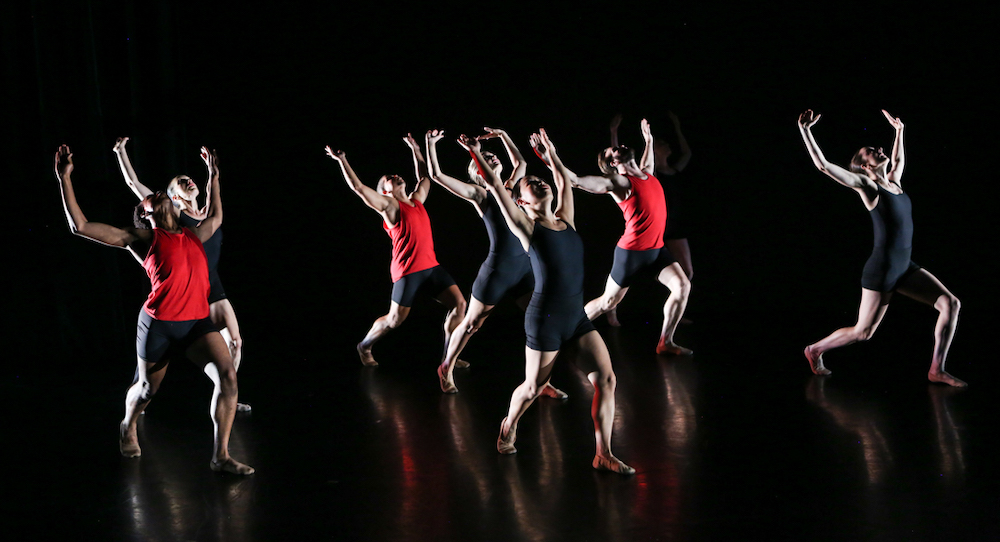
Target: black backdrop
column 306, row 263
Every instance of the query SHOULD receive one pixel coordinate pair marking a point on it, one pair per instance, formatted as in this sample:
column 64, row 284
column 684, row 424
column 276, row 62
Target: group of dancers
column 535, row 257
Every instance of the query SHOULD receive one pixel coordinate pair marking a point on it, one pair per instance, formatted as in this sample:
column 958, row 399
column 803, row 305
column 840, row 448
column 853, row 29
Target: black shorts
column 885, row 269
column 431, row 282
column 548, row 323
column 156, row 338
column 496, row 279
column 217, row 292
column 628, row 263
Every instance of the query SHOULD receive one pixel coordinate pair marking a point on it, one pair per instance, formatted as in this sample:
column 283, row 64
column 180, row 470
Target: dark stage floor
column 738, row 441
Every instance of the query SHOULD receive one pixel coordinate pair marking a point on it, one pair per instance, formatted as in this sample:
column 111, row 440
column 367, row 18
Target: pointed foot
column 232, row 466
column 613, row 464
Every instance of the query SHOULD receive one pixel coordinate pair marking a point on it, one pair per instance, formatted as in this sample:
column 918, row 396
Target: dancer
column 184, row 194
column 667, row 169
column 876, row 178
column 175, row 316
column 414, row 267
column 555, row 322
column 507, row 269
column 639, row 195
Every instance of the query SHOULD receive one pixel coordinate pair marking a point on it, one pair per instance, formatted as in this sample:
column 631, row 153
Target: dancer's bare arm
column 423, row 186
column 835, row 172
column 616, row 121
column 212, row 220
column 125, row 165
column 898, row 157
column 78, row 223
column 685, row 156
column 519, row 224
column 472, row 193
column 516, row 159
column 648, row 164
column 565, row 208
column 372, row 199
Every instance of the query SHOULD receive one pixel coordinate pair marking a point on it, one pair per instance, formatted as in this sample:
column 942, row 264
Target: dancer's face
column 534, row 190
column 158, row 201
column 873, row 157
column 182, row 187
column 618, row 155
column 391, row 184
column 493, row 162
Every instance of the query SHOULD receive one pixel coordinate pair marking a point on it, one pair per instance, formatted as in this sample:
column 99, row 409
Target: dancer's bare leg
column 926, row 288
column 681, row 251
column 476, row 314
column 590, row 355
column 870, row 313
column 396, row 315
column 673, row 277
column 150, row 375
column 612, row 296
column 537, row 368
column 211, row 351
column 224, row 317
column 240, row 407
column 454, row 301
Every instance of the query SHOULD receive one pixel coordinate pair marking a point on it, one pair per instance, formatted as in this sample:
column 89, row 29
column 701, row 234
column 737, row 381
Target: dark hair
column 139, row 217
column 604, row 161
column 857, row 162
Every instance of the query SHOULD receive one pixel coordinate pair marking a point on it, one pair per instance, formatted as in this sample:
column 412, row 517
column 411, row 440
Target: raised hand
column 63, row 161
column 646, row 132
column 211, row 160
column 410, row 142
column 894, row 121
column 673, row 118
column 615, row 122
column 541, row 150
column 120, row 144
column 469, row 143
column 339, row 155
column 808, row 118
column 433, row 136
column 490, row 133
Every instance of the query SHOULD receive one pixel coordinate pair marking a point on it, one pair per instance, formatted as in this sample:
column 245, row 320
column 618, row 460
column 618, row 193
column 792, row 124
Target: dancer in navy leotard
column 555, row 321
column 876, row 178
column 184, row 194
column 414, row 266
column 176, row 313
column 506, row 269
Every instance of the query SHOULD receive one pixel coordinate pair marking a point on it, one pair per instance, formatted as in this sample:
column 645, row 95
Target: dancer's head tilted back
column 611, row 159
column 868, row 159
column 183, row 192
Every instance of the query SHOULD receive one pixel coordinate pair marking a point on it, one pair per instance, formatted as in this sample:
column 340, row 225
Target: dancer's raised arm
column 518, row 223
column 616, row 121
column 78, row 223
column 835, row 172
column 420, row 169
column 516, row 159
column 565, row 209
column 212, row 219
column 472, row 193
column 125, row 165
column 610, row 182
column 648, row 162
column 373, row 199
column 685, row 156
column 895, row 172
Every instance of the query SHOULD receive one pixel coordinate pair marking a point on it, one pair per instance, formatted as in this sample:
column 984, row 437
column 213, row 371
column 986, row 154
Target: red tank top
column 645, row 213
column 178, row 273
column 412, row 242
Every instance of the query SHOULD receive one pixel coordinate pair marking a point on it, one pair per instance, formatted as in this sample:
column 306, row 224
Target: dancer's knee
column 948, row 305
column 393, row 320
column 227, row 379
column 606, row 382
column 863, row 333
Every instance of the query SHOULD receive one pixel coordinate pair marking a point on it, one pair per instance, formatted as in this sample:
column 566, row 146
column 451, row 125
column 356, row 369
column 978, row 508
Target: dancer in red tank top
column 640, row 196
column 176, row 312
column 414, row 268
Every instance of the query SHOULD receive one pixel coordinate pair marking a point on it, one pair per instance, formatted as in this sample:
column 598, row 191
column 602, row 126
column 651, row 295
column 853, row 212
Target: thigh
column 210, row 348
column 538, row 365
column 922, row 286
column 589, row 354
column 450, row 297
column 672, row 276
column 872, row 308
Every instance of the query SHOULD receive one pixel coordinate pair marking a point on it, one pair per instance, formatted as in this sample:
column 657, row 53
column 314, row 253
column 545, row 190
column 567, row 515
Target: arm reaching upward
column 213, row 217
column 420, row 168
column 561, row 175
column 125, row 165
column 648, row 162
column 372, row 199
column 78, row 223
column 474, row 194
column 685, row 157
column 835, row 172
column 615, row 123
column 895, row 173
column 519, row 224
column 516, row 160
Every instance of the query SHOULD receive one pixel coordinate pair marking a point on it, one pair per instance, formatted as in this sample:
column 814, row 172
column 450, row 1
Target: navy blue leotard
column 507, row 268
column 889, row 263
column 555, row 314
column 213, row 250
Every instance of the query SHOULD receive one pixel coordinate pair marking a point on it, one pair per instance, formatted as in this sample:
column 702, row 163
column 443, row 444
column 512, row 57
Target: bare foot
column 612, row 464
column 461, row 364
column 613, row 319
column 548, row 390
column 447, row 382
column 945, row 378
column 366, row 357
column 816, row 362
column 243, row 407
column 232, row 466
column 505, row 445
column 128, row 441
column 672, row 349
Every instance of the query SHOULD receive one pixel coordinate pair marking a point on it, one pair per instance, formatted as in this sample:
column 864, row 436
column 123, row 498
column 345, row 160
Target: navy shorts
column 629, row 263
column 217, row 292
column 154, row 338
column 549, row 323
column 496, row 279
column 431, row 282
